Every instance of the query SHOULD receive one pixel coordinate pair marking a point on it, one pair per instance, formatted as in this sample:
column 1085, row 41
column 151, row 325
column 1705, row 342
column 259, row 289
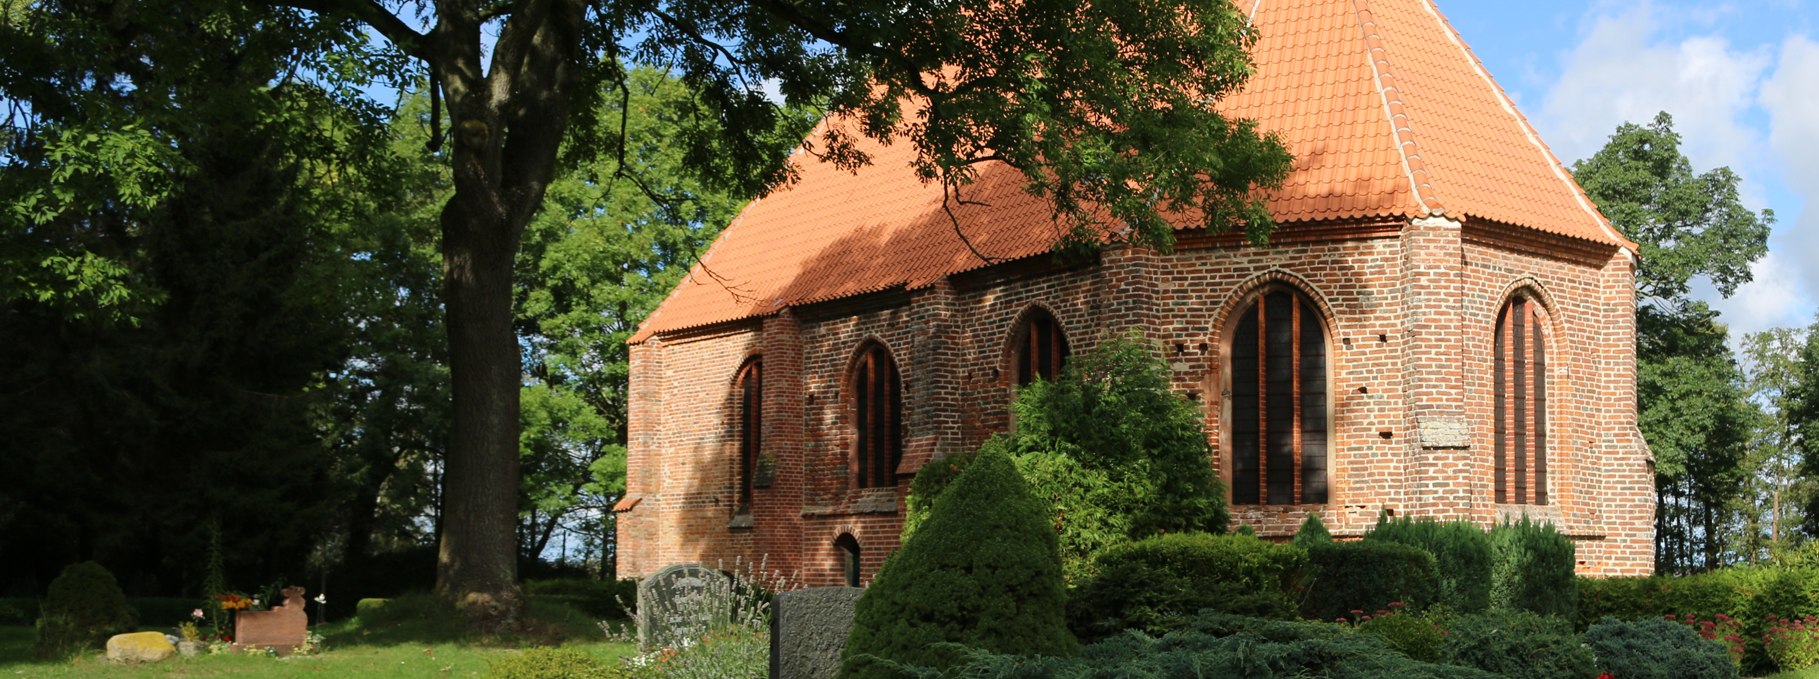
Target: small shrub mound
column 982, row 571
column 547, row 663
column 1655, row 648
column 1416, row 635
column 1312, row 532
column 83, row 608
column 1365, row 576
column 1462, row 557
column 1532, row 569
column 1518, row 645
column 1158, row 584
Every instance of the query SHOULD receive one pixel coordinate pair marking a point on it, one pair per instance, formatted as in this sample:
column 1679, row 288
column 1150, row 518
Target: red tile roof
column 1387, row 112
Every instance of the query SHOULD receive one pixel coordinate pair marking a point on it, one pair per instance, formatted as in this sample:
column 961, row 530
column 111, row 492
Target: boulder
column 139, row 647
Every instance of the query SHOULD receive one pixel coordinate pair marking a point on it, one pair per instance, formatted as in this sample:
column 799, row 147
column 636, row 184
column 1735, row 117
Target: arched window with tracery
column 1278, row 427
column 877, row 394
column 749, row 386
column 1519, row 402
column 1039, row 348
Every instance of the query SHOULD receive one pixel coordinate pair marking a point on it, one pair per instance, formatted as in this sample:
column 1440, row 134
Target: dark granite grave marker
column 808, row 631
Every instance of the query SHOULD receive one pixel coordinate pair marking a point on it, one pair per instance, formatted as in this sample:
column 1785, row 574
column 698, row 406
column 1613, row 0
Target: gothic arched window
column 750, row 387
column 1040, row 348
column 1278, row 428
column 877, row 394
column 1519, row 402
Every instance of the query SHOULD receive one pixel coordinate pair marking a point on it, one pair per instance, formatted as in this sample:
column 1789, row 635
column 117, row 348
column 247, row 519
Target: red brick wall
column 1409, row 313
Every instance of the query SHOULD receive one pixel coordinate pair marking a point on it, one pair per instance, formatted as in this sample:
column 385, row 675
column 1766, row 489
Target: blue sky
column 1740, row 78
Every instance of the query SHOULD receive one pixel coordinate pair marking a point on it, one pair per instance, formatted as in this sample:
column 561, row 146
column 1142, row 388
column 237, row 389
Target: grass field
column 415, row 638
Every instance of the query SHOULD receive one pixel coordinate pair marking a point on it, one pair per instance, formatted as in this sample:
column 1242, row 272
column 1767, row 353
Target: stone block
column 139, row 647
column 808, row 631
column 281, row 629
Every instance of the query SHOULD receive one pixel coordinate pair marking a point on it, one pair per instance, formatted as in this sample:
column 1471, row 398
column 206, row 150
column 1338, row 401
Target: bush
column 983, row 571
column 1416, row 635
column 1365, row 576
column 1282, row 650
column 1118, row 453
column 1312, row 532
column 735, row 652
column 1157, row 584
column 1532, row 569
column 18, row 612
column 83, row 608
column 1462, row 557
column 1655, row 648
column 546, row 663
column 1792, row 644
column 1518, row 645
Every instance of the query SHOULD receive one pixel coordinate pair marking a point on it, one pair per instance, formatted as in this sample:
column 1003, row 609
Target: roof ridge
column 1421, row 182
column 1528, row 130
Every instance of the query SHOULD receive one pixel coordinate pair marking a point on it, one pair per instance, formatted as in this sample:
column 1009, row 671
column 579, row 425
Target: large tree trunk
column 477, row 565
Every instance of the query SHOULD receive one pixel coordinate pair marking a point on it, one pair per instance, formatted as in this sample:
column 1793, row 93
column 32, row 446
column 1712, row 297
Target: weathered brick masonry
column 1420, row 206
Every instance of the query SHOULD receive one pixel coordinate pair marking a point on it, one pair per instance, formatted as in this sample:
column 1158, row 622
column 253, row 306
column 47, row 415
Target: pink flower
column 197, row 614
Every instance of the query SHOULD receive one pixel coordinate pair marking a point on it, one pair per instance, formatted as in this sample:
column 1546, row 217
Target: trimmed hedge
column 1532, row 569
column 598, row 598
column 1462, row 557
column 1657, row 649
column 1518, row 645
column 1157, row 585
column 982, row 571
column 1366, row 576
column 1749, row 594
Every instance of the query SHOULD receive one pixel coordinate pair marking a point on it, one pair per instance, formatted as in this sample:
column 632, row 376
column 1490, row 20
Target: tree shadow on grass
column 429, row 619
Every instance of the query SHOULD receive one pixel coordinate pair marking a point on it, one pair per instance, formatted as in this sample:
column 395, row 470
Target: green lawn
column 414, row 641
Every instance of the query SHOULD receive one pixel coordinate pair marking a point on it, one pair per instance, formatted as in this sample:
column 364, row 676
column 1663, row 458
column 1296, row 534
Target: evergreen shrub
column 982, row 571
column 1366, row 576
column 1157, row 584
column 1312, row 532
column 1249, row 648
column 1518, row 645
column 1655, row 648
column 82, row 609
column 1462, row 557
column 1416, row 635
column 1532, row 569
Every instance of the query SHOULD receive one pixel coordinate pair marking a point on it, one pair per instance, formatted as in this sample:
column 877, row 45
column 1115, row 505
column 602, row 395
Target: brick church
column 1442, row 325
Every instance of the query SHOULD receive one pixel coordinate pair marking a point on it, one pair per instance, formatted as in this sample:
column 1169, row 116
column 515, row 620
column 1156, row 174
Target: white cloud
column 1789, row 98
column 1622, row 71
column 1629, row 64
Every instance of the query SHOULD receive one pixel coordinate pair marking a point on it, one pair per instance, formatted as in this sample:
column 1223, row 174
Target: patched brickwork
column 1410, row 310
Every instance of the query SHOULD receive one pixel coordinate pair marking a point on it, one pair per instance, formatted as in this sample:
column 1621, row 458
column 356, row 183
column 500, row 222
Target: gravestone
column 682, row 603
column 808, row 631
column 281, row 629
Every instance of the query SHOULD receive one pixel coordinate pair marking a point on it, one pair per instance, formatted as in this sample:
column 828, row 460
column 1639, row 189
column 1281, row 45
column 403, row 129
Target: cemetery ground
column 412, row 640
